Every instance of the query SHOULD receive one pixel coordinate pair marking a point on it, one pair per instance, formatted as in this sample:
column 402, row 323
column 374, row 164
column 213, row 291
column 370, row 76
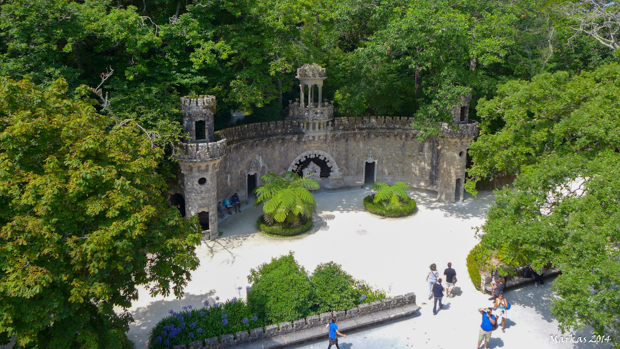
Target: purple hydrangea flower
column 359, row 285
column 193, row 325
column 234, row 300
column 206, row 303
column 248, row 288
column 239, row 288
column 184, row 308
column 202, row 313
column 182, row 325
column 363, row 298
column 190, row 307
column 158, row 339
column 245, row 320
column 225, row 316
column 171, row 311
column 172, row 335
column 190, row 335
column 224, row 322
column 217, row 298
column 166, row 342
column 199, row 330
column 180, row 318
column 253, row 318
column 164, row 333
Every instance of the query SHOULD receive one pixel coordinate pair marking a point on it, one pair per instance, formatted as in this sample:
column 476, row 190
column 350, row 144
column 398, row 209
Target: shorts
column 450, row 284
column 484, row 335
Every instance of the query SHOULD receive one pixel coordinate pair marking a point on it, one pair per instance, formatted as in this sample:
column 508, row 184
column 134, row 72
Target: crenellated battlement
column 202, row 104
column 205, row 151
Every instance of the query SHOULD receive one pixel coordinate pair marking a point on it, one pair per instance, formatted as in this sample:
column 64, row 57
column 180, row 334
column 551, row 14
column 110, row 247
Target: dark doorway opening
column 369, row 173
column 325, row 169
column 200, row 130
column 459, row 187
column 203, row 219
column 177, row 201
column 251, row 184
column 463, row 115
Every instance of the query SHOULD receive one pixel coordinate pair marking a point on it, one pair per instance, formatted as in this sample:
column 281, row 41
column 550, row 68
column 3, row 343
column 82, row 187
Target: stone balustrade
column 309, row 322
column 313, row 113
column 201, row 151
column 260, row 130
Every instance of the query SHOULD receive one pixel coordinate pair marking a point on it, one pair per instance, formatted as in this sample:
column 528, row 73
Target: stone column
column 301, row 95
column 320, row 95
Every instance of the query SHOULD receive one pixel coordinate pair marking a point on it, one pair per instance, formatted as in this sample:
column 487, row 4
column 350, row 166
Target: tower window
column 200, row 130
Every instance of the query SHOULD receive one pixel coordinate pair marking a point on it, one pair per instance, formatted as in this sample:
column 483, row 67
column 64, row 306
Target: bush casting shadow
column 406, row 208
column 261, row 225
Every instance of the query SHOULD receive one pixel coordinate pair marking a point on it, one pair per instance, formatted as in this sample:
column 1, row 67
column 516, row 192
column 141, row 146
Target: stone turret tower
column 315, row 114
column 199, row 157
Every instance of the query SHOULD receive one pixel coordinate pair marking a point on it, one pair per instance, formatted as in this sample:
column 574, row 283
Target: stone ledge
column 518, row 281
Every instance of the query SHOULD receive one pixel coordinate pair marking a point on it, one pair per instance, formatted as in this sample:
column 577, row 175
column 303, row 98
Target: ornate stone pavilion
column 337, row 152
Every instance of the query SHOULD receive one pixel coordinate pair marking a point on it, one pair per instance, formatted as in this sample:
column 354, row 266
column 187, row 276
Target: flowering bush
column 213, row 320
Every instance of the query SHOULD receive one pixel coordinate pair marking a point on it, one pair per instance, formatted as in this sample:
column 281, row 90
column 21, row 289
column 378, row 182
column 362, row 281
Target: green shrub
column 278, row 229
column 406, row 208
column 198, row 324
column 281, row 290
column 476, row 261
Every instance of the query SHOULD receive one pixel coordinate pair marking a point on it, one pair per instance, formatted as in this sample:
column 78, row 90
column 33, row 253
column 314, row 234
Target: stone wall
column 313, row 321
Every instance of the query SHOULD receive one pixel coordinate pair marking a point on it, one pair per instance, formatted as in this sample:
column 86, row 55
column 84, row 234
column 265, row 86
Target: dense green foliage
column 287, row 200
column 476, row 262
column 276, row 229
column 282, row 291
column 560, row 135
column 84, row 221
column 390, row 201
column 213, row 320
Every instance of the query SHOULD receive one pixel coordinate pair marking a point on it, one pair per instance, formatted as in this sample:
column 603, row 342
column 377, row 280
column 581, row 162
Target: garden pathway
column 393, row 254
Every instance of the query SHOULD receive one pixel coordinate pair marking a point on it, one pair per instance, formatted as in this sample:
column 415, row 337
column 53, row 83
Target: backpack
column 507, row 305
column 495, row 325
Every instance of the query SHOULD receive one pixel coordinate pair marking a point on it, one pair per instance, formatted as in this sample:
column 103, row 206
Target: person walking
column 450, row 275
column 334, row 333
column 502, row 304
column 438, row 293
column 538, row 278
column 488, row 320
column 432, row 279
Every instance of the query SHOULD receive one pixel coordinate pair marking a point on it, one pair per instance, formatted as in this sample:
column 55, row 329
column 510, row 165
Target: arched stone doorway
column 316, row 164
column 178, row 201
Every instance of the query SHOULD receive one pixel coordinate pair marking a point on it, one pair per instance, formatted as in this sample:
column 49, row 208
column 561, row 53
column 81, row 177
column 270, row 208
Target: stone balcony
column 311, row 113
column 465, row 130
column 201, row 151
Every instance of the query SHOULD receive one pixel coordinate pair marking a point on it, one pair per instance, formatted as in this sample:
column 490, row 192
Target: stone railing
column 300, row 325
column 348, row 123
column 202, row 151
column 314, row 113
column 260, row 130
column 468, row 130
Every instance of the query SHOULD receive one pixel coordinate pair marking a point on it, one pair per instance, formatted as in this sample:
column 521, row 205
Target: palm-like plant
column 286, row 198
column 390, row 196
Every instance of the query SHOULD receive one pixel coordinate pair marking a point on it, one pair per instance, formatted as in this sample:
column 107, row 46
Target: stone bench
column 515, row 281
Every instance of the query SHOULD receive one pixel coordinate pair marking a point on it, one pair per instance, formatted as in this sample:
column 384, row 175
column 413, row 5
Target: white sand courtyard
column 392, row 254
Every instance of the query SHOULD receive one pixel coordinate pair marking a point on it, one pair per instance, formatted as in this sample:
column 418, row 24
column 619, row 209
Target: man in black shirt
column 450, row 274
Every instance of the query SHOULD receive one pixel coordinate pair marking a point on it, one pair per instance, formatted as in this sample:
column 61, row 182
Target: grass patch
column 406, row 208
column 279, row 230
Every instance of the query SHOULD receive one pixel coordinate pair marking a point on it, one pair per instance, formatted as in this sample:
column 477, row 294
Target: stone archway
column 321, row 158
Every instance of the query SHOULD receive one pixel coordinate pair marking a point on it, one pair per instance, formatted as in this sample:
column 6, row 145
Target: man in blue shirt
column 333, row 333
column 488, row 320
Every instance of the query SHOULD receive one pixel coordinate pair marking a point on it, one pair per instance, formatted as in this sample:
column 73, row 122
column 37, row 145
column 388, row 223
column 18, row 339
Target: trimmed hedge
column 263, row 226
column 476, row 260
column 407, row 207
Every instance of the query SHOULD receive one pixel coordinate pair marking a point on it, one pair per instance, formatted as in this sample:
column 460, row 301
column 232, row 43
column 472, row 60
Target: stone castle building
column 337, row 152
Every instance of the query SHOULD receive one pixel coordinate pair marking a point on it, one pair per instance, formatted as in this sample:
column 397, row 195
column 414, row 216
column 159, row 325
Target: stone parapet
column 465, row 130
column 201, row 151
column 261, row 130
column 288, row 333
column 350, row 123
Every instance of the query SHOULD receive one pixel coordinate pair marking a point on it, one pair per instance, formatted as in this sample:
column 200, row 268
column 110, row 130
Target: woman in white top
column 432, row 279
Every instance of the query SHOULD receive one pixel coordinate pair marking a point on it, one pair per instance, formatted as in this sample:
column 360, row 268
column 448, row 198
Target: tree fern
column 286, row 198
column 390, row 196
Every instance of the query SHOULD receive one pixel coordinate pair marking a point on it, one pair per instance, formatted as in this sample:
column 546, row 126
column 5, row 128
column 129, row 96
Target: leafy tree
column 390, row 196
column 560, row 135
column 286, row 198
column 84, row 220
